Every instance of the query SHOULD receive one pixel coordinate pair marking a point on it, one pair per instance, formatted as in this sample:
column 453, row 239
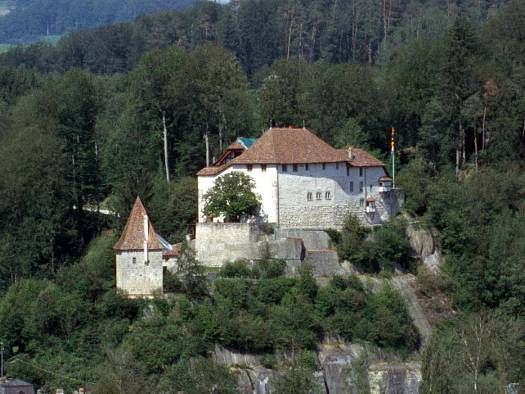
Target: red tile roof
column 132, row 237
column 295, row 146
column 174, row 252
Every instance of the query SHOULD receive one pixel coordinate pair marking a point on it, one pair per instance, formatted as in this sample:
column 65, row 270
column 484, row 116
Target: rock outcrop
column 424, row 246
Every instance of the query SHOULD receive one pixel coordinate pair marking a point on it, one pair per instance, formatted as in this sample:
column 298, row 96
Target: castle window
column 336, row 166
column 324, row 166
column 306, row 166
column 351, row 187
column 361, row 171
column 347, row 170
column 249, row 167
column 319, row 196
column 263, row 167
column 295, row 168
column 134, row 260
column 284, row 168
column 361, row 185
column 327, row 195
column 309, row 196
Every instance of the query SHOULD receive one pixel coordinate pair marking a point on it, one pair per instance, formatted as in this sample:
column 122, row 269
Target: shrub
column 271, row 268
column 388, row 246
column 272, row 291
column 351, row 245
column 236, row 269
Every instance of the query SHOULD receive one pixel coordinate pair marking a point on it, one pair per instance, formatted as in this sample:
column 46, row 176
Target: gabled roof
column 295, row 146
column 133, row 236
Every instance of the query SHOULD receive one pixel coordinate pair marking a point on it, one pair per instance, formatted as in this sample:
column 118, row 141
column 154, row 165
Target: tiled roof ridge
column 132, row 237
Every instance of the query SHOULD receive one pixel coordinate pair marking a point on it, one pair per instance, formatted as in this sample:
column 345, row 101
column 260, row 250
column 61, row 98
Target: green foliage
column 191, row 273
column 232, row 196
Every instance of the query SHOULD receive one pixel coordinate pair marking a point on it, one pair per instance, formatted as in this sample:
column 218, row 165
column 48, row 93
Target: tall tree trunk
column 290, row 31
column 165, row 138
column 483, row 127
column 463, row 146
column 207, row 146
column 476, row 149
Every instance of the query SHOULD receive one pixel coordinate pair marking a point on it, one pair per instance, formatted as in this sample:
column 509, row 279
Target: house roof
column 175, row 251
column 133, row 236
column 294, row 146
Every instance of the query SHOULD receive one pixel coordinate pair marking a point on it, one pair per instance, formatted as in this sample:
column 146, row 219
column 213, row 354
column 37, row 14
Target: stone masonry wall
column 139, row 279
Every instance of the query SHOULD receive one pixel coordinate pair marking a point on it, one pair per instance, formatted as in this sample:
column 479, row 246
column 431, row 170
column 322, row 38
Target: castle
column 304, row 182
column 305, row 185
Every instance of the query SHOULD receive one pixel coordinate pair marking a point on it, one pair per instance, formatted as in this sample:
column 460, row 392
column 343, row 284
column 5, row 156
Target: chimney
column 350, row 153
column 146, row 237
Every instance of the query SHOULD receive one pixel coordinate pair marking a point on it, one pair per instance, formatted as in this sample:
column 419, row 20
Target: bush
column 350, row 247
column 236, row 269
column 271, row 268
column 388, row 247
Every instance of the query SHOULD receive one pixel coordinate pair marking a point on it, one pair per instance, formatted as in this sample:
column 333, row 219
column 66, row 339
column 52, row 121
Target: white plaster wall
column 265, row 187
column 139, row 279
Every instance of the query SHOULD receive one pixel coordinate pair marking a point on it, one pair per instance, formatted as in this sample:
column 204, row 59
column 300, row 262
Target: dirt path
column 404, row 283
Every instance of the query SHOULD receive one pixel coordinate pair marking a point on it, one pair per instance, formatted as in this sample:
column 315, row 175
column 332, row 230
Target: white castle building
column 305, row 183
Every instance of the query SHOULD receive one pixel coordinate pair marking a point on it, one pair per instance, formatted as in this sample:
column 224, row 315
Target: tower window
column 249, row 167
column 324, row 166
column 361, row 171
column 319, row 196
column 327, row 195
column 347, row 170
column 134, row 260
column 351, row 187
column 284, row 168
column 306, row 167
column 309, row 196
column 361, row 187
column 295, row 168
column 263, row 167
column 336, row 166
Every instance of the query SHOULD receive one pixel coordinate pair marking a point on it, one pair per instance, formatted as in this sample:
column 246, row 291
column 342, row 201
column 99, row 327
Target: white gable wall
column 265, row 187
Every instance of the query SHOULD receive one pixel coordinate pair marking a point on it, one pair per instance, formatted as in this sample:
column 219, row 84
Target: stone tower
column 139, row 256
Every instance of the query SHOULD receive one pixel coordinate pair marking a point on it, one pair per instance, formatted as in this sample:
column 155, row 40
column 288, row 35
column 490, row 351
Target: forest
column 32, row 20
column 81, row 126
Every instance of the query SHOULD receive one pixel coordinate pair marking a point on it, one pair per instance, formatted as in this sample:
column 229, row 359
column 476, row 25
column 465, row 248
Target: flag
column 393, row 143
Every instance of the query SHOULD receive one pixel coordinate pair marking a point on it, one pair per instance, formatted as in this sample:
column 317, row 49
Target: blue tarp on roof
column 246, row 142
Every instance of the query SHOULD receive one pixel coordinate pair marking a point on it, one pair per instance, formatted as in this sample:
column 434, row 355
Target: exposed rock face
column 424, row 246
column 336, row 373
column 400, row 378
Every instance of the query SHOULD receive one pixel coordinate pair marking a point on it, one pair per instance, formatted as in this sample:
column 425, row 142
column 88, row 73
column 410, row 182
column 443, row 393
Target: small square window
column 295, row 168
column 351, row 187
column 309, row 196
column 324, row 166
column 327, row 195
column 263, row 167
column 319, row 196
column 284, row 168
column 249, row 167
column 361, row 171
column 306, row 167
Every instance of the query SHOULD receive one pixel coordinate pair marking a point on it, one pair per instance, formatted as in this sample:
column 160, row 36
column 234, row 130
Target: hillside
column 27, row 21
column 121, row 111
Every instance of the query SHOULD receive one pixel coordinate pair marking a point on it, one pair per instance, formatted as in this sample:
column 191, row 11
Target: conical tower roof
column 133, row 236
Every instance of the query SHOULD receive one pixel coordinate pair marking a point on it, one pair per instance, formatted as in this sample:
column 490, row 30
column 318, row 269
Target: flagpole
column 392, row 148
